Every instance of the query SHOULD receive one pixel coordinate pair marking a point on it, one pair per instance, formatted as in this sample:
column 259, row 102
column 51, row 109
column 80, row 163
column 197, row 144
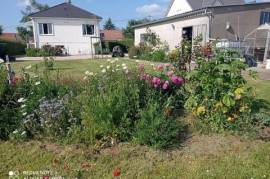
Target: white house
column 184, row 18
column 67, row 26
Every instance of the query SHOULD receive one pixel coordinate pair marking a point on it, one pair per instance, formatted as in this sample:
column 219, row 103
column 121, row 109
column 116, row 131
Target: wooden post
column 266, row 47
column 9, row 70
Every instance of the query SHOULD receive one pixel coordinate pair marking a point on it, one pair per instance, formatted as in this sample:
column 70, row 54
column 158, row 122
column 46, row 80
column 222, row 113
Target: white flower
column 24, row 114
column 21, row 100
column 117, row 59
column 15, row 132
column 117, row 65
column 104, row 70
column 85, row 78
column 36, row 76
column 108, row 67
column 137, row 61
column 113, row 61
column 28, row 67
column 37, row 83
column 1, row 61
column 108, row 60
column 89, row 73
column 23, row 106
column 113, row 71
column 152, row 64
column 125, row 67
column 117, row 69
column 127, row 71
column 23, row 133
column 101, row 66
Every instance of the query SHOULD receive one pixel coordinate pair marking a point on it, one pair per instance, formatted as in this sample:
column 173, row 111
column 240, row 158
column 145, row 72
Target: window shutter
column 40, row 26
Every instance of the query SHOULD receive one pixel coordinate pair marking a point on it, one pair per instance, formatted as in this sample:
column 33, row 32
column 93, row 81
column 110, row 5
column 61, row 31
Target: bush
column 9, row 109
column 44, row 51
column 155, row 129
column 218, row 94
column 33, row 52
column 107, row 47
column 12, row 48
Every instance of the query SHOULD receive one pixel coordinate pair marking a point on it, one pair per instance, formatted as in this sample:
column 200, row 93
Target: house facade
column 67, row 26
column 213, row 19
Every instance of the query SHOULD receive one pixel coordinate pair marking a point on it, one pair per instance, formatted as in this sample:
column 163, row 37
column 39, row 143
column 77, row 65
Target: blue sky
column 119, row 10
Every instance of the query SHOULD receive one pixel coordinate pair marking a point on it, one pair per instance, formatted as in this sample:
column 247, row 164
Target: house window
column 88, row 29
column 45, row 29
column 142, row 38
column 265, row 17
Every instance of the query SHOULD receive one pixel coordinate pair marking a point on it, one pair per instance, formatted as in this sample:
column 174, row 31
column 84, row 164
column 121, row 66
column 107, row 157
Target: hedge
column 12, row 48
column 108, row 46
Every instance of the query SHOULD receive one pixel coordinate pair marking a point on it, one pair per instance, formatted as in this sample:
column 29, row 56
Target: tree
column 27, row 32
column 1, row 29
column 109, row 25
column 33, row 7
column 129, row 30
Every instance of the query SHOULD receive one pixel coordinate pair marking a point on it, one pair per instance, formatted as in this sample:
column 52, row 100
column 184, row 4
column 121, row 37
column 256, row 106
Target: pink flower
column 160, row 67
column 177, row 80
column 141, row 67
column 166, row 85
column 170, row 73
column 156, row 82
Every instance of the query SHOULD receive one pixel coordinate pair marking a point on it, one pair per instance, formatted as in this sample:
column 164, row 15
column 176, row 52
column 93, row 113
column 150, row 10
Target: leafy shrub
column 218, row 95
column 12, row 48
column 107, row 46
column 155, row 129
column 9, row 109
column 49, row 63
column 44, row 51
column 33, row 52
column 113, row 101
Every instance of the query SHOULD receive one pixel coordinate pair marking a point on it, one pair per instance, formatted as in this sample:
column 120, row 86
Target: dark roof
column 198, row 4
column 195, row 13
column 65, row 10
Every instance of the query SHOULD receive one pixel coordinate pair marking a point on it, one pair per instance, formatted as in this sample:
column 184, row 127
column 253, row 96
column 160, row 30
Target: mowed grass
column 212, row 156
column 200, row 157
column 75, row 68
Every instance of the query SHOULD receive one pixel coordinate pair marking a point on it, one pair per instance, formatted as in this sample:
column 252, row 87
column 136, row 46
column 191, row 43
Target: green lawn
column 75, row 68
column 213, row 156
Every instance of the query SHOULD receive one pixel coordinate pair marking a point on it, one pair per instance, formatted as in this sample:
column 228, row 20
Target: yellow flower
column 218, row 105
column 230, row 119
column 239, row 91
column 201, row 110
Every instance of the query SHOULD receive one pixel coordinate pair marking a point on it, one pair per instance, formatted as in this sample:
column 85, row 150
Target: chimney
column 68, row 1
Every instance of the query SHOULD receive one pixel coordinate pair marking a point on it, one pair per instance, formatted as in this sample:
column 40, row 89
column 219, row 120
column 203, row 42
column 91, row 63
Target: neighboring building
column 68, row 26
column 213, row 19
column 14, row 37
column 111, row 35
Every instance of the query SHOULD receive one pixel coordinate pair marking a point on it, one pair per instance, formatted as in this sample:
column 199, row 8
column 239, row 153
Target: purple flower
column 170, row 73
column 156, row 82
column 177, row 80
column 166, row 85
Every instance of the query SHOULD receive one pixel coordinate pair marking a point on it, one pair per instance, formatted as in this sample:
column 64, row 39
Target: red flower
column 46, row 177
column 116, row 172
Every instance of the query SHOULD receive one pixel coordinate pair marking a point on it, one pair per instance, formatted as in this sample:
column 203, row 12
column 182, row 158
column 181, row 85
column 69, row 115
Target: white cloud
column 23, row 2
column 150, row 10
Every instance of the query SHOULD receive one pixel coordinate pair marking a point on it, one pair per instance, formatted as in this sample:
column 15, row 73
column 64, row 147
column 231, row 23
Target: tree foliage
column 33, row 7
column 129, row 30
column 109, row 25
column 27, row 32
column 1, row 29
